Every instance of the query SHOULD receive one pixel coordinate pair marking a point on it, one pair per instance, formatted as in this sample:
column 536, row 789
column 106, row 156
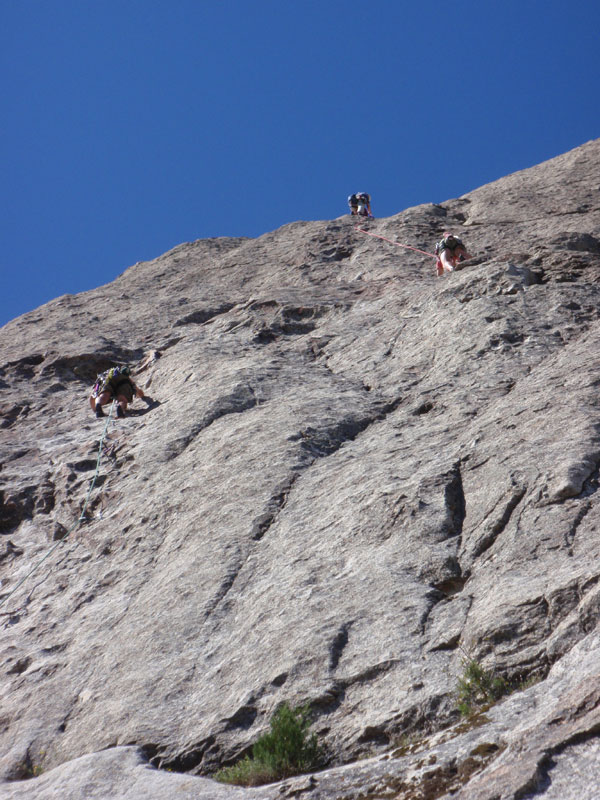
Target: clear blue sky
column 130, row 126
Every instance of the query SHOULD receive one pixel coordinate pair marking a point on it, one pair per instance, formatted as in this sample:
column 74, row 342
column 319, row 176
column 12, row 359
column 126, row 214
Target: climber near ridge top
column 114, row 384
column 450, row 251
column 360, row 204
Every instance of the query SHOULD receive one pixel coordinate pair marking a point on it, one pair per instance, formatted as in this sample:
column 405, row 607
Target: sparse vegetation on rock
column 287, row 749
column 478, row 687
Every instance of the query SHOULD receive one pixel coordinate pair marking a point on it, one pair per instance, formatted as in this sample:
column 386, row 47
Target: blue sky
column 130, row 126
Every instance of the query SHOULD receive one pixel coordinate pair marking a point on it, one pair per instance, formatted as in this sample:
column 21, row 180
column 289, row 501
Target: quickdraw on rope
column 75, row 525
column 398, row 244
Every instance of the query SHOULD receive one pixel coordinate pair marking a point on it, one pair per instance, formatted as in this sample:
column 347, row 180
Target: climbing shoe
column 120, row 412
column 99, row 412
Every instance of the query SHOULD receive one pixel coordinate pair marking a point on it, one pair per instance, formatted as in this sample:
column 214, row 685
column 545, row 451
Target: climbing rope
column 398, row 244
column 75, row 525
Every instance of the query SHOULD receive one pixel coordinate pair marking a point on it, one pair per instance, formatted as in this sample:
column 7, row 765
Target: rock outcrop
column 350, row 476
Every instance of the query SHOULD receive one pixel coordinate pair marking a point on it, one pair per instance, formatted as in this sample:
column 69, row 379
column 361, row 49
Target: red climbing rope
column 377, row 236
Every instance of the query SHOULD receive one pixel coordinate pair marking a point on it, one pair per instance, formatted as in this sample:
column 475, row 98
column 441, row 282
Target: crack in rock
column 242, row 398
column 571, row 533
column 492, row 532
column 276, row 504
column 324, row 441
column 454, row 497
column 338, row 645
column 202, row 315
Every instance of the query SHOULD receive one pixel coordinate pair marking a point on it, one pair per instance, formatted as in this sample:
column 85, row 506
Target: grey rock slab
column 536, row 743
column 120, row 773
column 338, row 490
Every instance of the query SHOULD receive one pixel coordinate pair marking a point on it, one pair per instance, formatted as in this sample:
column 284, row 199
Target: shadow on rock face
column 151, row 404
column 582, row 242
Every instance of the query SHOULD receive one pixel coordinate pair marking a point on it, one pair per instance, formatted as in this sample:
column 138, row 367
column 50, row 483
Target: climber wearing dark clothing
column 353, row 204
column 360, row 204
column 114, row 384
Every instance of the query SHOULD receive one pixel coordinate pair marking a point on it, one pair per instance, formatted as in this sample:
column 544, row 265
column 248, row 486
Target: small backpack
column 446, row 244
column 104, row 377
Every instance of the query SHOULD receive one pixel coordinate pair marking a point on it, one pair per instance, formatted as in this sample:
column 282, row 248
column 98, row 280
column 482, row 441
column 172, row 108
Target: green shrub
column 247, row 772
column 478, row 687
column 286, row 750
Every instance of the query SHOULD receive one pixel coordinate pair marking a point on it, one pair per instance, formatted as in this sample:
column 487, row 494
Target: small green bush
column 478, row 687
column 286, row 750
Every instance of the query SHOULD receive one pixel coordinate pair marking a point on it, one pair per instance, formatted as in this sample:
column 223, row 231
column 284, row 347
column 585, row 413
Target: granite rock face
column 349, row 476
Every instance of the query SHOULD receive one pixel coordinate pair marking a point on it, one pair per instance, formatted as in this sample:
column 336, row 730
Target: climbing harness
column 398, row 244
column 75, row 525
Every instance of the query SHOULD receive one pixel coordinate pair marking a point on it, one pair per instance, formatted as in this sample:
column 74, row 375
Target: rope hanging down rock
column 398, row 244
column 73, row 527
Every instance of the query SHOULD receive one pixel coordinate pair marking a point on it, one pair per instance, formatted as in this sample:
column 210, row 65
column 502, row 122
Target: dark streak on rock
column 189, row 760
column 338, row 644
column 488, row 539
column 238, row 401
column 275, row 505
column 203, row 315
column 570, row 535
column 242, row 719
column 19, row 666
column 368, row 674
column 325, row 441
column 455, row 502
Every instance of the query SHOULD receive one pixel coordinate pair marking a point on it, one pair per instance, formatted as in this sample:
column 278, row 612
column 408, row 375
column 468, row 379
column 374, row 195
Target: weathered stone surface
column 349, row 474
